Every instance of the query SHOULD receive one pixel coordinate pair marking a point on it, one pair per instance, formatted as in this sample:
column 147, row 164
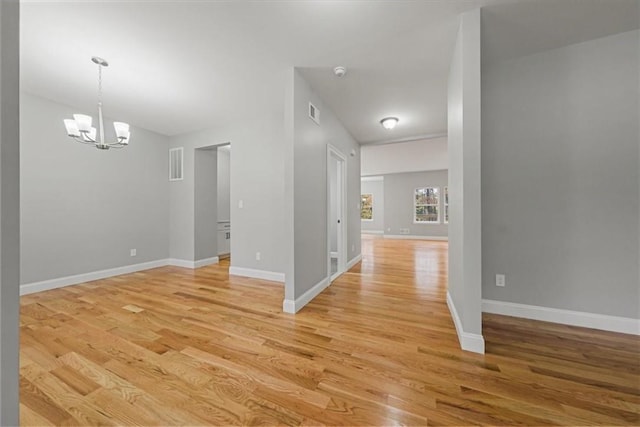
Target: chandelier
column 79, row 128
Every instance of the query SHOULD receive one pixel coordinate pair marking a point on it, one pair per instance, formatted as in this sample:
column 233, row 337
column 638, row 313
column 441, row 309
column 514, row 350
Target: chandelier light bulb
column 72, row 128
column 122, row 129
column 83, row 122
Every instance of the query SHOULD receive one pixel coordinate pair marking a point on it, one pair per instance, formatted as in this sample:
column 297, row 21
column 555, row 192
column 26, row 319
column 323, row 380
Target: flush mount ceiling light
column 79, row 128
column 389, row 122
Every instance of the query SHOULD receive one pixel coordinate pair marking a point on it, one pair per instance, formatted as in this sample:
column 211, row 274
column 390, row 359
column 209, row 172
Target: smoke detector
column 339, row 71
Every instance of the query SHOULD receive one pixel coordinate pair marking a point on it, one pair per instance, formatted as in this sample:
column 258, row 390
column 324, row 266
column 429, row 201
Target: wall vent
column 314, row 113
column 176, row 164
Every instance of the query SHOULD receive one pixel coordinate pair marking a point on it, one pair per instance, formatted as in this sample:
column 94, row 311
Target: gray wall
column 306, row 186
column 560, row 177
column 465, row 250
column 206, row 203
column 224, row 184
column 256, row 179
column 376, row 189
column 399, row 193
column 9, row 212
column 83, row 209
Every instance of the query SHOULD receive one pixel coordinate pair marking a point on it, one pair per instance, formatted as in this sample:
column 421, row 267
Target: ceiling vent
column 314, row 113
column 176, row 164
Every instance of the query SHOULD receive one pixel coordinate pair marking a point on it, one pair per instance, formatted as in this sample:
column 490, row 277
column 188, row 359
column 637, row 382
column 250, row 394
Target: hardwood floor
column 174, row 346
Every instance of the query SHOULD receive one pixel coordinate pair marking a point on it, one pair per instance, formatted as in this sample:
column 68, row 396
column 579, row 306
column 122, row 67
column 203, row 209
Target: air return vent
column 175, row 164
column 314, row 113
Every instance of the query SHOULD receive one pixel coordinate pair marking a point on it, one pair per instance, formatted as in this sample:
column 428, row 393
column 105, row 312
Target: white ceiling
column 179, row 66
column 513, row 30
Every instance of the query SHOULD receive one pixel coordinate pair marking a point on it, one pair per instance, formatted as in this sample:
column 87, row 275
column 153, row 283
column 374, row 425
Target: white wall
column 414, row 156
column 256, row 179
column 306, row 190
column 83, row 209
column 465, row 250
column 9, row 213
column 375, row 187
column 560, row 177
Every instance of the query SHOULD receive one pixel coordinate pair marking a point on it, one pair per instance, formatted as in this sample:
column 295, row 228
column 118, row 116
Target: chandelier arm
column 80, row 140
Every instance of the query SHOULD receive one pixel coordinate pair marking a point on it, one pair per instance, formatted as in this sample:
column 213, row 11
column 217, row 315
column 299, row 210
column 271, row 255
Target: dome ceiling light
column 389, row 122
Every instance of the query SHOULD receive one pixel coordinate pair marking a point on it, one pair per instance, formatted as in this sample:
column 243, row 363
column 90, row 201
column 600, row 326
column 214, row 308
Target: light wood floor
column 173, row 346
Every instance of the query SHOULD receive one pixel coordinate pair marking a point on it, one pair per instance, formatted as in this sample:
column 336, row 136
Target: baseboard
column 206, row 261
column 468, row 341
column 356, row 259
column 175, row 262
column 257, row 274
column 371, row 231
column 61, row 282
column 603, row 322
column 334, row 254
column 293, row 306
column 414, row 237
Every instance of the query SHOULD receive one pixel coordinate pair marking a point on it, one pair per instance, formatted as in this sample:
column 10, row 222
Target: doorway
column 212, row 219
column 224, row 202
column 336, row 212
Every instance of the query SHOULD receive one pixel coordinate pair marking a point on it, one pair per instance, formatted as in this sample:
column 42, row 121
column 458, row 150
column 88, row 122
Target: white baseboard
column 293, row 306
column 414, row 237
column 624, row 325
column 334, row 254
column 372, row 231
column 61, row 282
column 468, row 341
column 356, row 259
column 181, row 263
column 257, row 274
column 206, row 261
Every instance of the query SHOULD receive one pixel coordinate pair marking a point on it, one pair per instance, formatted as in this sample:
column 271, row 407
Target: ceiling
column 182, row 66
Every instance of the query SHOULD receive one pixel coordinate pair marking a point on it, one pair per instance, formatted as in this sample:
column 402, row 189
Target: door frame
column 334, row 153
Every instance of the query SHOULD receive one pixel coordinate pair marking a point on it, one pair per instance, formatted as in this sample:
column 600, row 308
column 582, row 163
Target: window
column 426, row 201
column 366, row 207
column 446, row 205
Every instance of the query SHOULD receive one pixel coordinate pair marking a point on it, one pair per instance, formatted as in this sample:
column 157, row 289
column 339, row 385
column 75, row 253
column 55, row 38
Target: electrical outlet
column 133, row 252
column 389, row 229
column 500, row 280
column 257, row 256
column 404, row 231
column 240, row 204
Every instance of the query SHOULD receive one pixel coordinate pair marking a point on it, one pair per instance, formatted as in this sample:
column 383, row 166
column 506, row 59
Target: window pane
column 426, row 214
column 426, row 196
column 366, row 206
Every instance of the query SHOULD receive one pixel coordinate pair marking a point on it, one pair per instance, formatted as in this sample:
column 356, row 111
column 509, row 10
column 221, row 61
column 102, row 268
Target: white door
column 336, row 212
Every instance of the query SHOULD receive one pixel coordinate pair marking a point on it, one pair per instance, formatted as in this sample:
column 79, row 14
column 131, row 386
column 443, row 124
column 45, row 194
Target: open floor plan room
column 174, row 346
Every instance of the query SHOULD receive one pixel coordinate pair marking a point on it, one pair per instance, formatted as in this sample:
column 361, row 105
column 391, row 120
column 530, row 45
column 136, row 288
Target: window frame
column 416, row 205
